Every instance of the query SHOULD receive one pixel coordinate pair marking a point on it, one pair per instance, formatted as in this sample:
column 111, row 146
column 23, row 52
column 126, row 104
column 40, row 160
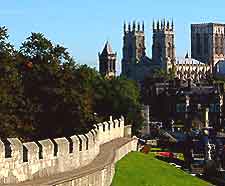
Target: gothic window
column 140, row 50
column 169, row 50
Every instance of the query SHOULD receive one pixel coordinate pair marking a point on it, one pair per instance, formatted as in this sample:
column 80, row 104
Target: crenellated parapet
column 24, row 161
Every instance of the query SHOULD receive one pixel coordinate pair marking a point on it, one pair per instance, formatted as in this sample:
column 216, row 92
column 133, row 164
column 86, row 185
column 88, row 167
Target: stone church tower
column 133, row 45
column 163, row 48
column 208, row 43
column 107, row 61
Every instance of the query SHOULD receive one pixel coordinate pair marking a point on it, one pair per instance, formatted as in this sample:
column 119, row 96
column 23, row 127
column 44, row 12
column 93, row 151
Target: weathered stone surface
column 99, row 172
column 63, row 146
column 46, row 158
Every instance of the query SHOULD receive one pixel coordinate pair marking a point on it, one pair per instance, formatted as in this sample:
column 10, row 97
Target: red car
column 166, row 154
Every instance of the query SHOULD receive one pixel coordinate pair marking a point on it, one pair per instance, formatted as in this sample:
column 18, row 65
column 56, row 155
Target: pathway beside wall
column 99, row 172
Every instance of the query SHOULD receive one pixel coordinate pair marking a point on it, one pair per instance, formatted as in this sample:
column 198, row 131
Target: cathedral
column 207, row 48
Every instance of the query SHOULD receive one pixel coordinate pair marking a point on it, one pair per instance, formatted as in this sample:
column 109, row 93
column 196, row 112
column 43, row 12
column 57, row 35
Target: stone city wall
column 25, row 161
column 102, row 174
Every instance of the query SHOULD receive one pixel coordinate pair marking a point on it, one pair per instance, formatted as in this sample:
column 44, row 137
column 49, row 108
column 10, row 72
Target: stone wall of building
column 25, row 161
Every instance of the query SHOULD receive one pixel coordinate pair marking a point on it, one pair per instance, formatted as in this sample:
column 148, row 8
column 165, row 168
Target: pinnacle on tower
column 124, row 26
column 161, row 25
column 138, row 26
column 172, row 26
column 164, row 23
column 129, row 27
column 134, row 26
column 143, row 26
column 158, row 25
column 168, row 25
column 153, row 25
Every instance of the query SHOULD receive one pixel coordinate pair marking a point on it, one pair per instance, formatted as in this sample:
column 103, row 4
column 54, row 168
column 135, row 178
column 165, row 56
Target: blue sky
column 84, row 26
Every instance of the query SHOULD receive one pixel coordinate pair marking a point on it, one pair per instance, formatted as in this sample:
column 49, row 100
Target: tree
column 12, row 105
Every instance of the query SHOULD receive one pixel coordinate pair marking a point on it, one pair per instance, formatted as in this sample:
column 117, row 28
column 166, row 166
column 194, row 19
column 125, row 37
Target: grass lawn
column 138, row 169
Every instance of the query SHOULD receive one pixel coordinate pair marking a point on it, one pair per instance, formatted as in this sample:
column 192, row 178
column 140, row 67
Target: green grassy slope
column 138, row 169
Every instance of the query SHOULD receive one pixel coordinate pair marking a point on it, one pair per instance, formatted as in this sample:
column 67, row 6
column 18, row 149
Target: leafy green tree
column 13, row 120
column 44, row 93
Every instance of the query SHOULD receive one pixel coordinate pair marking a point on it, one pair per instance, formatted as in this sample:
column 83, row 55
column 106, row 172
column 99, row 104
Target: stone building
column 207, row 48
column 163, row 47
column 185, row 102
column 164, row 53
column 188, row 68
column 107, row 61
column 208, row 43
column 135, row 64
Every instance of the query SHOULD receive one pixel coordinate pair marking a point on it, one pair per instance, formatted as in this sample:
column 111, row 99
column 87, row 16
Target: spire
column 186, row 56
column 107, row 49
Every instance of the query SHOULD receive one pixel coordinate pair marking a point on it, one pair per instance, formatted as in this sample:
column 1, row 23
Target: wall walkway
column 99, row 172
column 55, row 158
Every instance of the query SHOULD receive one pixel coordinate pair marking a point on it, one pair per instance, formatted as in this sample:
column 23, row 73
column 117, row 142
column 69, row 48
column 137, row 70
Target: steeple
column 186, row 56
column 107, row 49
column 107, row 61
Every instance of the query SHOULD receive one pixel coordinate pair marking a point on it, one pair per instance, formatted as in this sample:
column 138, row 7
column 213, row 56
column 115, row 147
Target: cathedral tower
column 208, row 42
column 107, row 61
column 163, row 48
column 133, row 44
